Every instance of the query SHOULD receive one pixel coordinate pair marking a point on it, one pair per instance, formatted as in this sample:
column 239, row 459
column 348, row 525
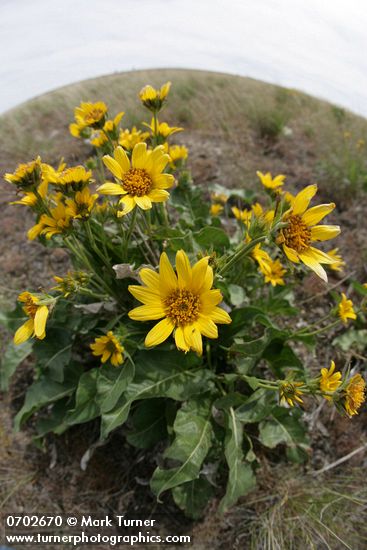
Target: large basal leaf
column 280, row 356
column 158, row 374
column 46, row 391
column 193, row 435
column 257, row 407
column 149, row 424
column 193, row 496
column 86, row 406
column 112, row 383
column 54, row 352
column 13, row 356
column 241, row 478
column 284, row 426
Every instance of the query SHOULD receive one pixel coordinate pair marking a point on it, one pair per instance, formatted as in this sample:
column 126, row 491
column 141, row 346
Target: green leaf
column 352, row 337
column 158, row 374
column 11, row 320
column 212, row 238
column 241, row 478
column 284, row 426
column 112, row 383
column 149, row 424
column 193, row 432
column 237, row 294
column 13, row 356
column 193, row 496
column 86, row 407
column 54, row 352
column 46, row 391
column 257, row 407
column 281, row 356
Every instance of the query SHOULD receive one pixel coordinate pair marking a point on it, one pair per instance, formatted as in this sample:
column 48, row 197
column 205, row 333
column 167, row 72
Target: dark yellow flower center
column 30, row 307
column 93, row 116
column 297, row 234
column 182, row 307
column 137, row 182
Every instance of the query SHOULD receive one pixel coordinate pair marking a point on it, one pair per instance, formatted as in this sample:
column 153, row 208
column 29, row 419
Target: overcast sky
column 318, row 46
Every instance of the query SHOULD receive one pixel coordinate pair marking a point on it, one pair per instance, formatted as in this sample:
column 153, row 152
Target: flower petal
column 24, row 332
column 140, row 156
column 180, row 340
column 291, row 254
column 122, row 159
column 303, row 198
column 183, row 269
column 110, row 188
column 309, row 259
column 159, row 333
column 143, row 202
column 167, row 277
column 40, row 320
column 193, row 338
column 199, row 274
column 163, row 181
column 218, row 315
column 313, row 215
column 146, row 295
column 129, row 204
column 149, row 278
column 146, row 313
column 113, row 166
column 207, row 327
column 158, row 195
column 324, row 232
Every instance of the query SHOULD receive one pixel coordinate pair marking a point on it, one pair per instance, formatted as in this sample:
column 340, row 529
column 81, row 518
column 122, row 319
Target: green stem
column 243, row 250
column 319, row 331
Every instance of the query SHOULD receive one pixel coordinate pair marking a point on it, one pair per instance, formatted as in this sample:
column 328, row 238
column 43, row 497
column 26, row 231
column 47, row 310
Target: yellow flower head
column 141, row 181
column 216, row 209
column 269, row 182
column 71, row 283
column 185, row 301
column 57, row 222
column 262, row 215
column 109, row 130
column 109, row 348
column 290, row 394
column 339, row 263
column 301, row 230
column 273, row 272
column 36, row 324
column 354, row 394
column 153, row 99
column 177, row 153
column 71, row 179
column 26, row 176
column 345, row 309
column 129, row 138
column 242, row 215
column 91, row 115
column 162, row 129
column 219, row 197
column 330, row 380
column 261, row 257
column 81, row 205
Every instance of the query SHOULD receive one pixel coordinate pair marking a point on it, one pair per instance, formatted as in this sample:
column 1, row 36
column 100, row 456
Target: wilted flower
column 354, row 394
column 71, row 283
column 26, row 176
column 185, row 302
column 37, row 312
column 290, row 394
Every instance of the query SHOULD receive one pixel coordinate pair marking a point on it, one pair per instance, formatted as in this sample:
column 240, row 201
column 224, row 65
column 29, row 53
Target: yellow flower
column 216, row 209
column 98, row 139
column 91, row 115
column 339, row 263
column 354, row 394
column 360, row 144
column 301, row 231
column 266, row 216
column 129, row 138
column 110, row 348
column 161, row 128
column 219, row 197
column 153, row 99
column 58, row 221
column 290, row 394
column 269, row 182
column 273, row 272
column 29, row 199
column 242, row 215
column 36, row 324
column 289, row 198
column 71, row 179
column 141, row 181
column 177, row 153
column 71, row 283
column 345, row 309
column 109, row 130
column 81, row 205
column 26, row 176
column 330, row 380
column 185, row 302
column 261, row 256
